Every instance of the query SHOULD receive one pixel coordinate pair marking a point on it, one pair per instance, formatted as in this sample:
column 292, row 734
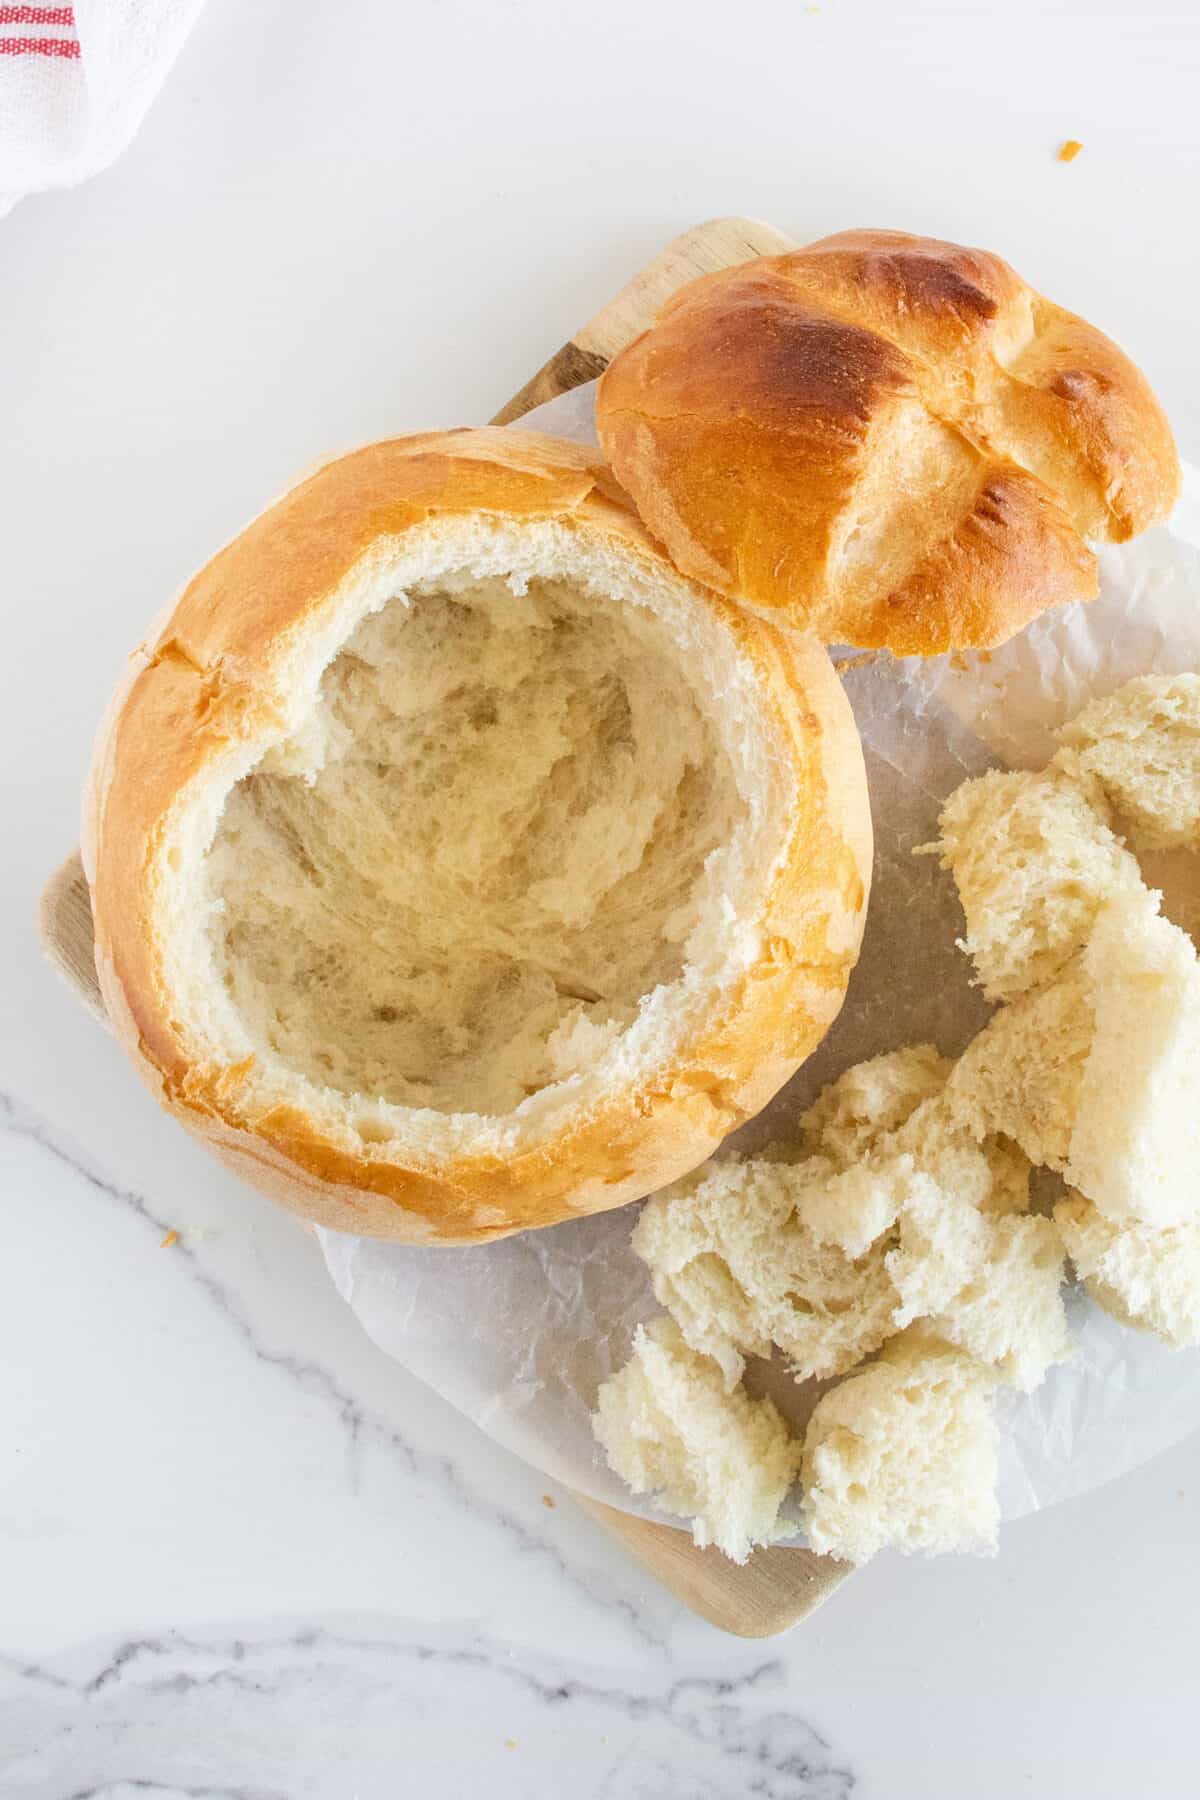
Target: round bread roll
column 457, row 866
column 891, row 441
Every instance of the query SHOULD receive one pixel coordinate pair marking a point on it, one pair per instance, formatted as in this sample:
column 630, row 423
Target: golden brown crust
column 912, row 390
column 210, row 678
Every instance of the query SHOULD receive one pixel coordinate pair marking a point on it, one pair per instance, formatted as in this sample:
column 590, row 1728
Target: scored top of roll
column 891, row 440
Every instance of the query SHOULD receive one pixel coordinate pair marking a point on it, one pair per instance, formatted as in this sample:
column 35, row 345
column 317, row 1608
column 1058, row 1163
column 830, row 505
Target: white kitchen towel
column 75, row 84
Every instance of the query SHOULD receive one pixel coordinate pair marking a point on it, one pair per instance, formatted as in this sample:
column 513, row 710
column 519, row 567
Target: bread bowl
column 890, row 440
column 456, row 865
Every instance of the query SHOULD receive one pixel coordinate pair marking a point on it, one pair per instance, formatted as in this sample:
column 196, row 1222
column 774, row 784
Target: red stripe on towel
column 37, row 15
column 39, row 47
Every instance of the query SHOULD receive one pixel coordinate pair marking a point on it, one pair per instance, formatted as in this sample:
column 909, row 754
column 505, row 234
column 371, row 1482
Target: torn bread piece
column 986, row 1168
column 828, row 1258
column 1146, row 1277
column 746, row 1255
column 849, row 1117
column 1095, row 1075
column 942, row 1243
column 828, row 1263
column 992, row 1286
column 1034, row 859
column 1135, row 1145
column 902, row 1455
column 669, row 1426
column 894, row 1103
column 1021, row 1076
column 1142, row 746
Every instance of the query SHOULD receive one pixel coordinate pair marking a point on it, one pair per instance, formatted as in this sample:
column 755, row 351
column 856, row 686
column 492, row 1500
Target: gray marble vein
column 364, row 1709
column 130, row 1790
column 360, row 1424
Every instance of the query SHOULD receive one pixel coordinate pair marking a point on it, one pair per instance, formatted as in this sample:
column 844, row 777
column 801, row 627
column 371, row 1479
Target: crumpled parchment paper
column 518, row 1335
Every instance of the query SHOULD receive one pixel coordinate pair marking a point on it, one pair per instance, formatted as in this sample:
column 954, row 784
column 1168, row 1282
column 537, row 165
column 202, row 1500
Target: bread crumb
column 172, row 1237
column 861, row 659
column 1069, row 149
column 547, row 1501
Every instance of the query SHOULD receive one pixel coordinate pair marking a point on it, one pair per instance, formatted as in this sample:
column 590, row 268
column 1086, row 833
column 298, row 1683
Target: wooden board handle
column 701, row 251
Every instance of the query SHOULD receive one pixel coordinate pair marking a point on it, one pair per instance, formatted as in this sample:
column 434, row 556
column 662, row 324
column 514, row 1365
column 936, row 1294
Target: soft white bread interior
column 966, row 1258
column 1033, row 859
column 1095, row 1074
column 1147, row 1276
column 987, row 1170
column 456, row 865
column 902, row 1455
column 894, row 1214
column 1135, row 1142
column 1093, row 1067
column 1142, row 746
column 825, row 1263
column 991, row 1285
column 743, row 1258
column 851, row 1114
column 895, row 1106
column 790, row 1252
column 1022, row 1074
column 669, row 1426
column 488, row 841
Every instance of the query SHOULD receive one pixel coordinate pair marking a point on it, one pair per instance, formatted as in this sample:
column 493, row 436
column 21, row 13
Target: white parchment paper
column 518, row 1335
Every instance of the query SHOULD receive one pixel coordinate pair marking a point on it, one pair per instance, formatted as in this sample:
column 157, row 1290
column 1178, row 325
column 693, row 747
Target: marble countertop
column 242, row 1553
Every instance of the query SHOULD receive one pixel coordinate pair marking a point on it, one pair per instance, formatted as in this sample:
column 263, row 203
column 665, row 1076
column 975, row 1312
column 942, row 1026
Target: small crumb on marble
column 547, row 1501
column 1069, row 149
column 172, row 1237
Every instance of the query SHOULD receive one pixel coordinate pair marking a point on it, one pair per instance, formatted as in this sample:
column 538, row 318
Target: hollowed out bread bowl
column 457, row 865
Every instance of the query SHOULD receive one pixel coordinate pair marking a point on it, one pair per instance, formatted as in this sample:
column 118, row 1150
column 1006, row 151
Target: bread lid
column 890, row 440
column 457, row 865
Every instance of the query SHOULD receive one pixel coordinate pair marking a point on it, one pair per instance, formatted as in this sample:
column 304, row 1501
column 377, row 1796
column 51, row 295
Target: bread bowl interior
column 509, row 843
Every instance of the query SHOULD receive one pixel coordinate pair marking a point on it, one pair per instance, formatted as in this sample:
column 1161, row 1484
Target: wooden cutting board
column 776, row 1588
